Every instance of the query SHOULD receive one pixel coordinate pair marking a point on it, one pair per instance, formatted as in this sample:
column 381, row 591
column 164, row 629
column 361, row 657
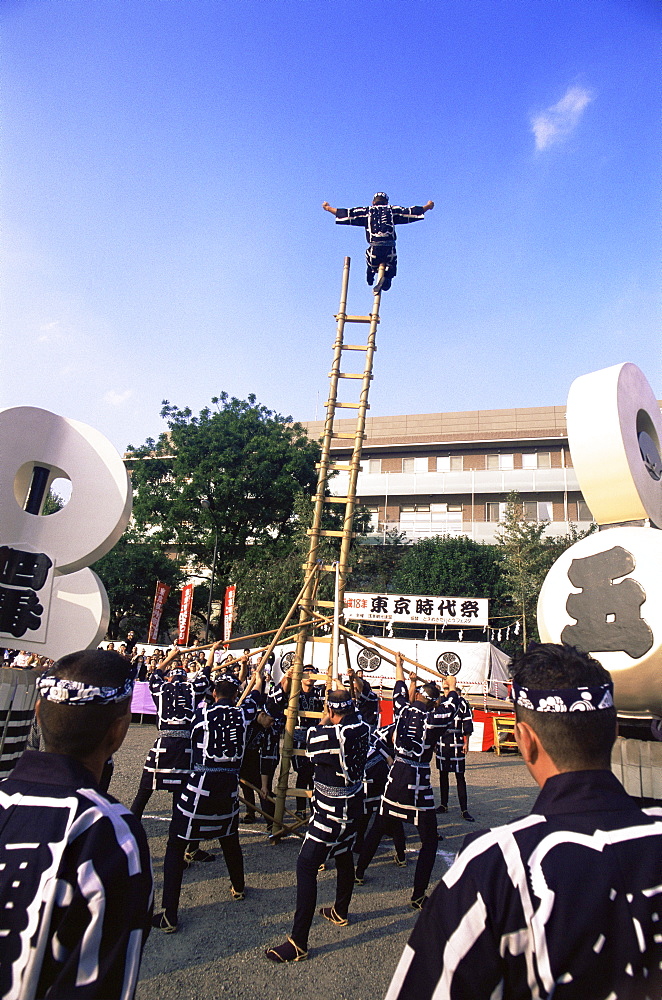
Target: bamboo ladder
column 325, row 467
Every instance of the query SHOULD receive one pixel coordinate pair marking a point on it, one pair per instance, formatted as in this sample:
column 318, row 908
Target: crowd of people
column 564, row 903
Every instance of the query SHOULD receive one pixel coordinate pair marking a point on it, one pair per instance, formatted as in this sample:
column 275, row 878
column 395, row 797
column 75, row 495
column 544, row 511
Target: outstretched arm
column 329, row 208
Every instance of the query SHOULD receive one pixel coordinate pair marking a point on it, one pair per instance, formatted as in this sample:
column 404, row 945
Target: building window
column 500, row 461
column 492, row 511
column 583, row 513
column 454, row 508
column 374, row 465
column 537, row 460
column 414, row 508
column 450, row 463
column 538, row 510
column 411, row 465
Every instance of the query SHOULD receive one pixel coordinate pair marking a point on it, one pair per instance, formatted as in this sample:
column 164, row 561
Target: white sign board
column 416, row 608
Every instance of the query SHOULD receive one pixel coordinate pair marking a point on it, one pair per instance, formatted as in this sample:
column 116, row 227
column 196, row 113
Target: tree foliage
column 233, row 471
column 527, row 558
column 130, row 572
column 448, row 564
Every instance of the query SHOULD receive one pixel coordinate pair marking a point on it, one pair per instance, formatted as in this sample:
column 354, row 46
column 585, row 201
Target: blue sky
column 163, row 164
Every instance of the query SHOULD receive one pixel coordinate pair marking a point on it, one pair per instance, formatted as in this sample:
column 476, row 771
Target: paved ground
column 218, row 951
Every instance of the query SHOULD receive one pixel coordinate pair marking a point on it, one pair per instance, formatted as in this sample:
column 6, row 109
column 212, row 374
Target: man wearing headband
column 420, row 719
column 379, row 221
column 338, row 747
column 75, row 871
column 207, row 804
column 451, row 754
column 566, row 902
column 311, row 701
column 168, row 763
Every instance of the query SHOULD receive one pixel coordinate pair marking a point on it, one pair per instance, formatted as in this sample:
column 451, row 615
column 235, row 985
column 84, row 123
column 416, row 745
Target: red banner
column 161, row 596
column 185, row 614
column 228, row 611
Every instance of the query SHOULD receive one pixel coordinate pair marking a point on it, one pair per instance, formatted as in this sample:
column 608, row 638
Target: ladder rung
column 354, row 347
column 311, row 715
column 330, row 534
column 348, row 436
column 356, row 319
column 337, row 499
column 336, row 467
column 347, row 406
column 345, row 375
column 327, row 568
column 325, row 604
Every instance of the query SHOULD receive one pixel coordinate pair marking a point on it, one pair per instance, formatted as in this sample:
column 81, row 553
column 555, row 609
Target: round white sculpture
column 50, row 603
column 616, row 619
column 615, row 433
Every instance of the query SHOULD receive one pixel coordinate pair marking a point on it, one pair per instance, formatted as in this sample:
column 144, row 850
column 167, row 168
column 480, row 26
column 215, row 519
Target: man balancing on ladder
column 379, row 221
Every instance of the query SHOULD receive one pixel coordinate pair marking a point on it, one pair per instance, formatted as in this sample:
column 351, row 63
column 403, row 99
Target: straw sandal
column 161, row 922
column 329, row 913
column 288, row 951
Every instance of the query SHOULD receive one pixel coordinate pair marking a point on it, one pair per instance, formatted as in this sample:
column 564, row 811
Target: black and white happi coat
column 417, row 730
column 377, row 767
column 208, row 805
column 309, row 701
column 379, row 221
column 75, row 885
column 368, row 706
column 564, row 903
column 450, row 748
column 338, row 754
column 169, row 761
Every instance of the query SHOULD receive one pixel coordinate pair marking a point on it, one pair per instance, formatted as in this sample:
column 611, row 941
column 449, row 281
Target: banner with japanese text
column 185, row 614
column 422, row 609
column 161, row 596
column 228, row 610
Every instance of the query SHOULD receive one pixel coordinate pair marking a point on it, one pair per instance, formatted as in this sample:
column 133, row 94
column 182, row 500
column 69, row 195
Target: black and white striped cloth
column 377, row 768
column 379, row 221
column 450, row 748
column 208, row 805
column 564, row 903
column 75, row 885
column 169, row 761
column 417, row 731
column 338, row 754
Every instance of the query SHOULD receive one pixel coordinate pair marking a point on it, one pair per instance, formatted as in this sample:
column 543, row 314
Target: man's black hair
column 431, row 691
column 225, row 689
column 575, row 741
column 77, row 730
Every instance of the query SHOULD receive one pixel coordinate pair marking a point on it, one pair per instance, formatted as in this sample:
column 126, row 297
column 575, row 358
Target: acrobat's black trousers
column 311, row 856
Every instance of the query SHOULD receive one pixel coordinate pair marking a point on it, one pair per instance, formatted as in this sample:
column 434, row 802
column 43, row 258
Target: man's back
column 75, row 884
column 566, row 902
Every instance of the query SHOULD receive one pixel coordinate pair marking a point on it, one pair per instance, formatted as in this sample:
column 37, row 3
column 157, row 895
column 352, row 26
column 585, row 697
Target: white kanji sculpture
column 50, row 602
column 604, row 593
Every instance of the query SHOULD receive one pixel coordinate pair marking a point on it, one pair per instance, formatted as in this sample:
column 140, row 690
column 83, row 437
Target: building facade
column 450, row 473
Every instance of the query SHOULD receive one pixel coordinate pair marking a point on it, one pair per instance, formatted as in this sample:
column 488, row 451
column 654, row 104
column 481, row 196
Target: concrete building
column 450, row 473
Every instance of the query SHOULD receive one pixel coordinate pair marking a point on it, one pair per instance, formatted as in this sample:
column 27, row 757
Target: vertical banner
column 185, row 614
column 161, row 596
column 228, row 611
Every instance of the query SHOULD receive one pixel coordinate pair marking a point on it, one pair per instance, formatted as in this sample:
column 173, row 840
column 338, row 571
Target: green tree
column 130, row 572
column 455, row 566
column 231, row 473
column 375, row 565
column 527, row 558
column 270, row 576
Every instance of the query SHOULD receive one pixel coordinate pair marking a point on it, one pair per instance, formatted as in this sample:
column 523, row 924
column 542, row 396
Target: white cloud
column 556, row 123
column 115, row 398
